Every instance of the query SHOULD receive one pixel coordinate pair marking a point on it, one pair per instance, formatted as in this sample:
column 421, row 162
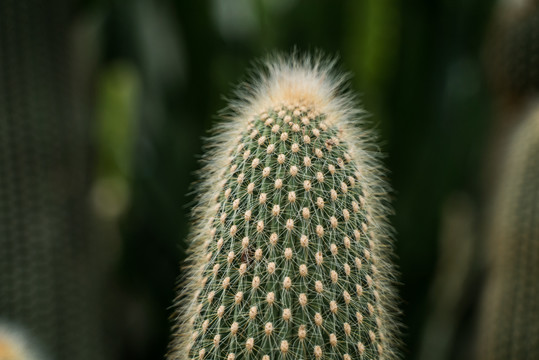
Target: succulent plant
column 51, row 271
column 512, row 49
column 509, row 325
column 291, row 240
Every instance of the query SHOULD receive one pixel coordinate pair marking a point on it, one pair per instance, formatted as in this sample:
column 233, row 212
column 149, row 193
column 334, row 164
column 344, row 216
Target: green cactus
column 51, row 269
column 291, row 243
column 509, row 325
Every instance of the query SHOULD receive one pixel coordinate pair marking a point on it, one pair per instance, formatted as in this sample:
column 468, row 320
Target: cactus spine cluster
column 291, row 239
column 509, row 327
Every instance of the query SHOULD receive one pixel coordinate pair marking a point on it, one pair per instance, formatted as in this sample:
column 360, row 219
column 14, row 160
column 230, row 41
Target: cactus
column 50, row 262
column 513, row 49
column 291, row 243
column 509, row 324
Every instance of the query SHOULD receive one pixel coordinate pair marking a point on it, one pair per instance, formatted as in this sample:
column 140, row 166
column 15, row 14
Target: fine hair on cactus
column 291, row 247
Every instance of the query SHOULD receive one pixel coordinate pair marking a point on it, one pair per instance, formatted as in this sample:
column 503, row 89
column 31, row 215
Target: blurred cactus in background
column 509, row 327
column 48, row 269
column 513, row 50
column 16, row 345
column 509, row 317
column 291, row 243
column 512, row 65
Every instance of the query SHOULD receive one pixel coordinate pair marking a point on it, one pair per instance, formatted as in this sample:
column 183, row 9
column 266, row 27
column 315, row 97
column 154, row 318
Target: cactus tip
column 292, row 195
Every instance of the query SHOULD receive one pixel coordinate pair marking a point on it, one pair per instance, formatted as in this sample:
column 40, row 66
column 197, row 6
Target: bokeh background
column 103, row 107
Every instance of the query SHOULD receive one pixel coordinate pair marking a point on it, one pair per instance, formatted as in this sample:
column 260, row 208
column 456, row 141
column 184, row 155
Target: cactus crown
column 290, row 252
